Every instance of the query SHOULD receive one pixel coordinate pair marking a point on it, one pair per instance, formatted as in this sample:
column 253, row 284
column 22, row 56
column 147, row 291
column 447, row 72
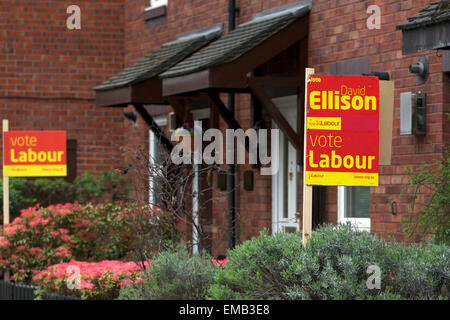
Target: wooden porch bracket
column 220, row 108
column 177, row 107
column 267, row 103
column 223, row 110
column 154, row 127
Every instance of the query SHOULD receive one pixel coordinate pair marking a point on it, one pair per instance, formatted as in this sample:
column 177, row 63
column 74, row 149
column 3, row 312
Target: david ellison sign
column 342, row 130
column 34, row 153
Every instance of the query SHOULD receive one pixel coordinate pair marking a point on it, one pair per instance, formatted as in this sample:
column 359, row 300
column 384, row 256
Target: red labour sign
column 34, row 153
column 342, row 130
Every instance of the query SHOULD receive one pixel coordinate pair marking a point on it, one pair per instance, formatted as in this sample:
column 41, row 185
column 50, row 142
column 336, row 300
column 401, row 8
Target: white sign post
column 307, row 190
column 5, row 193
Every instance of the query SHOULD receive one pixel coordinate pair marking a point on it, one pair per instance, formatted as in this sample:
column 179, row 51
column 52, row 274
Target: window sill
column 154, row 17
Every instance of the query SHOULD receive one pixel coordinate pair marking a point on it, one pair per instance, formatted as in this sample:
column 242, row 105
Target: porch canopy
column 266, row 55
column 140, row 85
column 427, row 30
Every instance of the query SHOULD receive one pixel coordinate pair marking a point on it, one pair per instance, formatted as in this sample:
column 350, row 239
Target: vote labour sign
column 34, row 153
column 342, row 130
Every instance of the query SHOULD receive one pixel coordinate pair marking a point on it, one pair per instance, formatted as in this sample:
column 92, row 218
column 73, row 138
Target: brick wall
column 48, row 73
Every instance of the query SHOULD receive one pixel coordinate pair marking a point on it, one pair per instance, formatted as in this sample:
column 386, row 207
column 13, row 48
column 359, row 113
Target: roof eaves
column 297, row 9
column 436, row 12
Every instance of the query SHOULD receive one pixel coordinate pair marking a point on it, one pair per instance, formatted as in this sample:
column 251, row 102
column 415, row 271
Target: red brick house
column 164, row 56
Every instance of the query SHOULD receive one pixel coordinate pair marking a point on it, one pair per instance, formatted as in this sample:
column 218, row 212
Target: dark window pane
column 357, row 202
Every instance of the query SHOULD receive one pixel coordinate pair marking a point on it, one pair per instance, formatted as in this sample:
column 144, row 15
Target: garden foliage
column 25, row 193
column 174, row 275
column 96, row 280
column 42, row 237
column 433, row 216
column 332, row 266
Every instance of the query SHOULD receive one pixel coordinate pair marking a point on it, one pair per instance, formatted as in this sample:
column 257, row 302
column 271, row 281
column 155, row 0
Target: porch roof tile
column 436, row 12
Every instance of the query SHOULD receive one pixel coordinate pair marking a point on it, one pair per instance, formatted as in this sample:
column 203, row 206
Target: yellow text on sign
column 324, row 123
column 341, row 178
column 35, row 170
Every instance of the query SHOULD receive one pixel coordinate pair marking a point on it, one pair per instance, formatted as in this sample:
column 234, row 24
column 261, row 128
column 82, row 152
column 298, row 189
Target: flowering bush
column 41, row 237
column 98, row 188
column 96, row 280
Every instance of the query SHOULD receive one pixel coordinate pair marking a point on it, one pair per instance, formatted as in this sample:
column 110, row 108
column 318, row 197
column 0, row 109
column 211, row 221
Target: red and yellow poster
column 342, row 130
column 34, row 153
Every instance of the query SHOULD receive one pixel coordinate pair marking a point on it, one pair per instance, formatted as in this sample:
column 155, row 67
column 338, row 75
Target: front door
column 285, row 184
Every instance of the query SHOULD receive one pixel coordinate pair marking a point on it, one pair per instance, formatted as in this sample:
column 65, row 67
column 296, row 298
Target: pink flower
column 63, row 231
column 62, row 252
column 125, row 282
column 17, row 220
column 220, row 263
column 4, row 262
column 39, row 221
column 3, row 242
column 11, row 230
column 87, row 285
column 54, row 234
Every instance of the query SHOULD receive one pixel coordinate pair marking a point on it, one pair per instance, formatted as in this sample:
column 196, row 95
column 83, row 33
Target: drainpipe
column 231, row 167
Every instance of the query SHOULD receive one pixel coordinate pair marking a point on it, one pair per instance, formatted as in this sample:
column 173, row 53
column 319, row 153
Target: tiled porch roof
column 161, row 60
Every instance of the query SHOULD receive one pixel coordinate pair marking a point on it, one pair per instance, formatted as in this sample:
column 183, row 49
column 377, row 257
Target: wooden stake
column 5, row 192
column 307, row 190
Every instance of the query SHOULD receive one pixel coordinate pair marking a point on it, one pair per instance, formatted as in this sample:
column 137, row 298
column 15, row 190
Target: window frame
column 361, row 224
column 161, row 121
column 285, row 192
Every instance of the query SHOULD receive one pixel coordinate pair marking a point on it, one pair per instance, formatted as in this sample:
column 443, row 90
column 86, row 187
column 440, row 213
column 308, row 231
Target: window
column 157, row 3
column 155, row 15
column 157, row 154
column 354, row 206
column 285, row 184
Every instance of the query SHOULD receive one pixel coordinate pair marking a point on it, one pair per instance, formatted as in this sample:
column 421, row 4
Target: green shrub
column 334, row 266
column 433, row 217
column 384, row 295
column 25, row 193
column 420, row 272
column 173, row 275
column 256, row 268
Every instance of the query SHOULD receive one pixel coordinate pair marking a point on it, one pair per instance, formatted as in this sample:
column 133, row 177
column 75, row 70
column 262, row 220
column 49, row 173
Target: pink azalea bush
column 97, row 280
column 41, row 237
